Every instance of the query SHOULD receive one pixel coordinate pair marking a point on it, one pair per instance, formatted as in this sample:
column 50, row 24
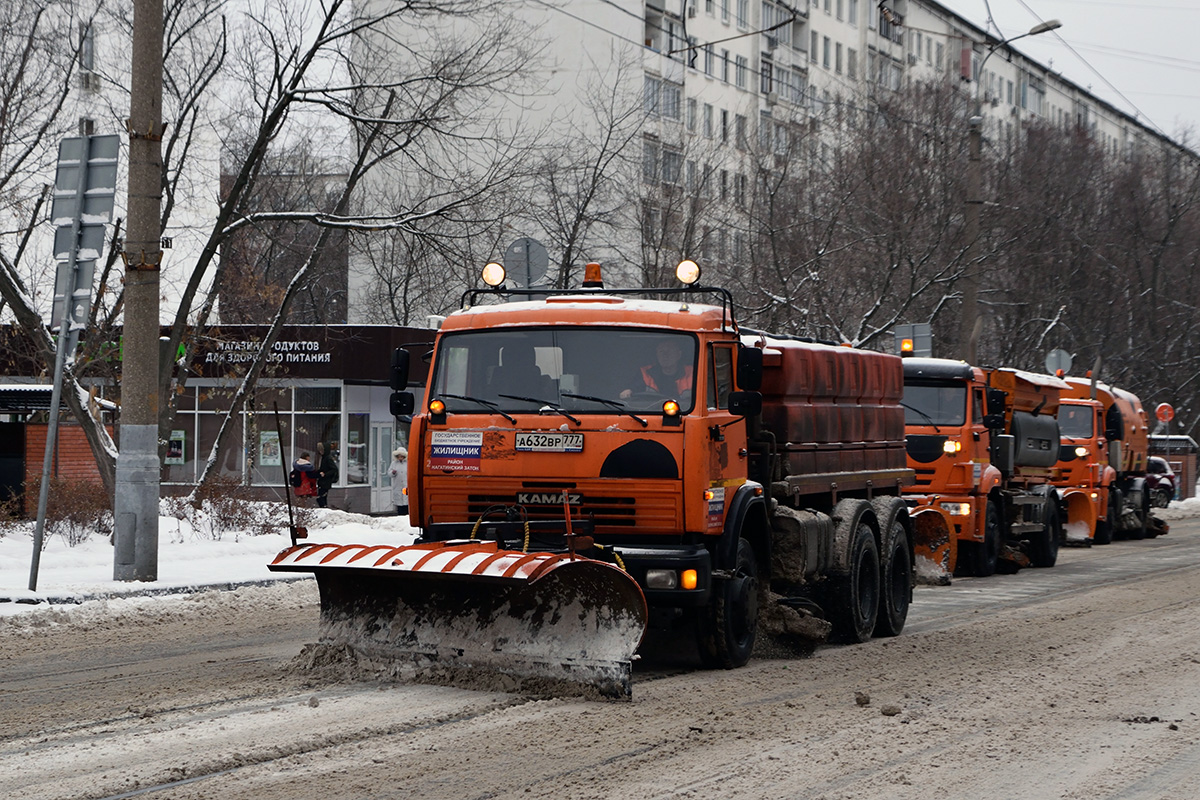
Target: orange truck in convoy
column 983, row 445
column 684, row 472
column 1105, row 450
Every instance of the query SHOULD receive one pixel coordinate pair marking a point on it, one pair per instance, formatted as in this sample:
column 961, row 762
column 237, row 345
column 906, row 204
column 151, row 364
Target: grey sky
column 1138, row 56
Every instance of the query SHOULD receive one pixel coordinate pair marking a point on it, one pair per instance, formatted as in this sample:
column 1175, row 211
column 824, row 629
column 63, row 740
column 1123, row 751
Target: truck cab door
column 726, row 438
column 979, row 454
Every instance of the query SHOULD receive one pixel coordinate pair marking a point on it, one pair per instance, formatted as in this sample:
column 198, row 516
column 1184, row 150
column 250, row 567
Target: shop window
column 358, row 429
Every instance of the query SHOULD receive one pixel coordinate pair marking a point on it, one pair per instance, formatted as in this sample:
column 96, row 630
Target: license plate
column 550, row 442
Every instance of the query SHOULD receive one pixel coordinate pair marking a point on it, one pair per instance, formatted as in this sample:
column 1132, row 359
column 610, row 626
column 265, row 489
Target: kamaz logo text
column 547, row 498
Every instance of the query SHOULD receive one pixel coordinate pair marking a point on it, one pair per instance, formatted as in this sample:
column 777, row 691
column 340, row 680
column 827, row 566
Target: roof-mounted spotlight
column 688, row 272
column 493, row 274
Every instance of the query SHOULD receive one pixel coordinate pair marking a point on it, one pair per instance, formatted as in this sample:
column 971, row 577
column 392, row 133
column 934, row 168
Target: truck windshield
column 1075, row 422
column 935, row 403
column 579, row 370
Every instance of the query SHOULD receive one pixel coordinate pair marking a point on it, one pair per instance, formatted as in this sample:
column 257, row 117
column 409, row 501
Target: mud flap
column 935, row 548
column 470, row 610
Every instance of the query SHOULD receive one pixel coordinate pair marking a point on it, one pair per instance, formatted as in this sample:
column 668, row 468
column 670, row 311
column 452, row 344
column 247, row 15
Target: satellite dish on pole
column 1057, row 360
column 526, row 262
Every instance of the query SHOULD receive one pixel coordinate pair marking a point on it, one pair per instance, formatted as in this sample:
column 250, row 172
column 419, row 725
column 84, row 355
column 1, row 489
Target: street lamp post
column 971, row 323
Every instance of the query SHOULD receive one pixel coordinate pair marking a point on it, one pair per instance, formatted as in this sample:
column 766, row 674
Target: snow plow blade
column 472, row 609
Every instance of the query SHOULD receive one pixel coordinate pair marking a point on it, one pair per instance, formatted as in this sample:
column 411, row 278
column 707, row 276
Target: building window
column 724, row 126
column 649, row 161
column 710, row 66
column 708, row 121
column 672, row 164
column 672, row 100
column 825, row 48
column 852, row 12
column 741, row 69
column 652, row 89
column 691, row 114
column 766, row 76
column 812, row 48
column 837, row 61
column 725, row 66
column 851, row 63
column 87, row 48
column 739, row 131
column 743, row 13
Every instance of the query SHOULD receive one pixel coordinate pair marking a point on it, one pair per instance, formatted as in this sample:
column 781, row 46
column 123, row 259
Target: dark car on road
column 1160, row 481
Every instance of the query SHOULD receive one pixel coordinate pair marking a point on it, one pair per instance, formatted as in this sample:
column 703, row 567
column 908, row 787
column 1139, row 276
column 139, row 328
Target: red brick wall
column 72, row 456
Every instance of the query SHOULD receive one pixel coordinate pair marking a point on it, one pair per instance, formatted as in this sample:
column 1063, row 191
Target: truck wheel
column 1104, row 527
column 985, row 555
column 728, row 627
column 855, row 598
column 1043, row 551
column 897, row 584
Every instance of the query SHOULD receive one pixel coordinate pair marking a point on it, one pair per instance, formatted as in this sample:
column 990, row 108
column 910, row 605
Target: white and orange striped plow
column 475, row 608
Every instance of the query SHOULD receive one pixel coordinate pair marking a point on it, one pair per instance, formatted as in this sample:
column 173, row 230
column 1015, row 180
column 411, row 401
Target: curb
column 74, row 599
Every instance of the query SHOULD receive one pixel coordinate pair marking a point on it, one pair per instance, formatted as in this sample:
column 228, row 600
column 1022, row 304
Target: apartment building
column 720, row 81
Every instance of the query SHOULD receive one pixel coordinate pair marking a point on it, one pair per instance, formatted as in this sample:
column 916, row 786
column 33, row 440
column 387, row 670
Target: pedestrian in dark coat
column 327, row 474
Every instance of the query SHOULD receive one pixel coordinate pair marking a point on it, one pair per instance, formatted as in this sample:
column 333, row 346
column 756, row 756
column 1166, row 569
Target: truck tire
column 897, row 578
column 854, row 602
column 1104, row 527
column 982, row 557
column 728, row 626
column 1043, row 549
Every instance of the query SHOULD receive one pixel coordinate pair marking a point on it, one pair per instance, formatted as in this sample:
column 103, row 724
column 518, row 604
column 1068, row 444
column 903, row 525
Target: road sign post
column 85, row 185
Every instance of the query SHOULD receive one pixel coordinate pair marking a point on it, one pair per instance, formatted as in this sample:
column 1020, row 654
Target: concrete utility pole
column 970, row 323
column 137, row 479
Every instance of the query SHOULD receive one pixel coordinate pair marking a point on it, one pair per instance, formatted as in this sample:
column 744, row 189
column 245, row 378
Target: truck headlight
column 957, row 509
column 951, row 446
column 662, row 579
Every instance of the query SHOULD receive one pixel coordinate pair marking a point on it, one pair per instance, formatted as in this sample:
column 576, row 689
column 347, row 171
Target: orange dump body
column 833, row 409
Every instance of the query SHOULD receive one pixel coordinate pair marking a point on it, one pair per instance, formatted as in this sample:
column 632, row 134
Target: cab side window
column 720, row 376
column 977, row 408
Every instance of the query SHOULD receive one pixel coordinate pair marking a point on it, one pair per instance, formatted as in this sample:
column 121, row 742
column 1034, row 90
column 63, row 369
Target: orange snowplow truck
column 983, row 445
column 723, row 473
column 1105, row 449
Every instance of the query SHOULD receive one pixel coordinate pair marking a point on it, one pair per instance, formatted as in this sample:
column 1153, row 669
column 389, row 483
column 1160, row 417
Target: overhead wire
column 1141, row 114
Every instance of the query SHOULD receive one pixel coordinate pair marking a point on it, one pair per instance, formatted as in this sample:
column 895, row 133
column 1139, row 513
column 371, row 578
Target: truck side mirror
column 995, row 401
column 750, row 370
column 398, row 376
column 745, row 404
column 401, row 404
column 993, row 421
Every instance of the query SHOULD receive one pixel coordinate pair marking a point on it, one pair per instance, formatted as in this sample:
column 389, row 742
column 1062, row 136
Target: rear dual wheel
column 854, row 604
column 896, row 583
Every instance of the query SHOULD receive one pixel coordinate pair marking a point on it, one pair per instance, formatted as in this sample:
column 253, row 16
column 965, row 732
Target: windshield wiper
column 928, row 418
column 485, row 403
column 544, row 404
column 610, row 403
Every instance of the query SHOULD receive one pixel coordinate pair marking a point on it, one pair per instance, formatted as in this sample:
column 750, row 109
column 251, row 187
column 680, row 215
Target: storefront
column 323, row 385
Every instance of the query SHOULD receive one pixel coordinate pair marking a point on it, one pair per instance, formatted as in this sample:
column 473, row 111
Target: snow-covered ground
column 187, row 560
